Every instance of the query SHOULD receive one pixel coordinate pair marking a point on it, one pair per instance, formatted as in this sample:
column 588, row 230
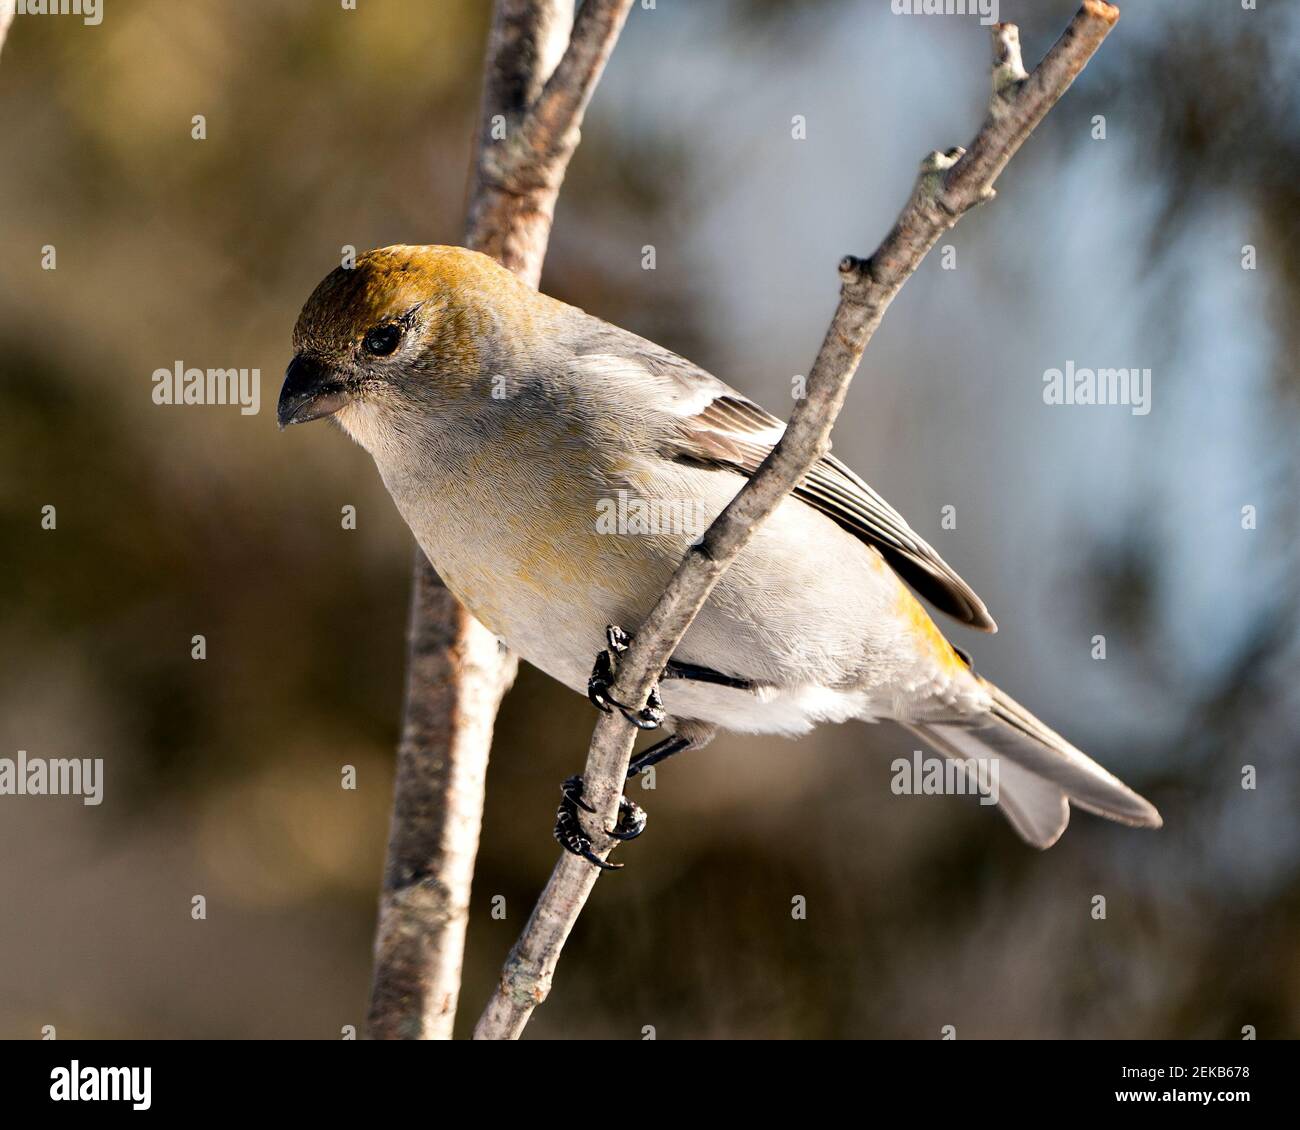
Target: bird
column 555, row 468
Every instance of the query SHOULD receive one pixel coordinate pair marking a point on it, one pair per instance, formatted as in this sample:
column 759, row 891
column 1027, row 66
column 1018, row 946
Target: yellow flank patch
column 556, row 551
column 927, row 636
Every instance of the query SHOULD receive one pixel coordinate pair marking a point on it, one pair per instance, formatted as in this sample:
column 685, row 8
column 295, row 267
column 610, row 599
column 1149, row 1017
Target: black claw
column 631, row 821
column 649, row 717
column 568, row 827
column 571, row 791
column 598, row 684
column 616, row 639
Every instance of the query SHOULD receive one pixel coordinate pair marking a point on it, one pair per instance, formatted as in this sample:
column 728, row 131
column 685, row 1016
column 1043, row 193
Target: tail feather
column 1038, row 771
column 1036, row 808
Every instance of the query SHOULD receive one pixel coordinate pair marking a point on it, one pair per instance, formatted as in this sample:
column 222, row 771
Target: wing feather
column 715, row 426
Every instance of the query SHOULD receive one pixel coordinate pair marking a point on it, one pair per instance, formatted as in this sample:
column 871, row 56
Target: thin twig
column 950, row 184
column 456, row 670
column 551, row 129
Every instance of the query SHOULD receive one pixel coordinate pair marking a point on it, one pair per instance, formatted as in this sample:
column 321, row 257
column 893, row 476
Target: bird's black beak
column 311, row 390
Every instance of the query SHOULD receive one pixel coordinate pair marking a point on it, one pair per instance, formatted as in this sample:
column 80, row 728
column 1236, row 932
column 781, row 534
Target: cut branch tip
column 855, row 272
column 1101, row 10
column 936, row 162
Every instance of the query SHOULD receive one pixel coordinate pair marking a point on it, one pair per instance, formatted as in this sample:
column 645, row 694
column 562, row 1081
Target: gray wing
column 715, row 426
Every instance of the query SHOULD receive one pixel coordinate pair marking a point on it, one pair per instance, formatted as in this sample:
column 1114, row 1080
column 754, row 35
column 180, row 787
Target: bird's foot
column 569, row 832
column 603, row 673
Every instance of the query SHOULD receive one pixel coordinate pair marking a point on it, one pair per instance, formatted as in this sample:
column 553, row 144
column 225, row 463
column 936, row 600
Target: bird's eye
column 382, row 340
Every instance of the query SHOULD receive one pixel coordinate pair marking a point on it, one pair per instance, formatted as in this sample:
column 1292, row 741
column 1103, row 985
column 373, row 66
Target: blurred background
column 328, row 127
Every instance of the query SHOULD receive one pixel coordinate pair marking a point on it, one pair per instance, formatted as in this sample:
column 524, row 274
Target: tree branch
column 518, row 178
column 456, row 670
column 7, row 8
column 950, row 184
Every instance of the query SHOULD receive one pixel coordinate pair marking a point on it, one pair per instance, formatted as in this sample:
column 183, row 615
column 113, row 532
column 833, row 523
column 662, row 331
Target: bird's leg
column 569, row 832
column 697, row 674
column 690, row 734
column 651, row 715
column 657, row 753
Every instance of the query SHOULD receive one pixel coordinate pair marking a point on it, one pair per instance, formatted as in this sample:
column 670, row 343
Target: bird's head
column 407, row 331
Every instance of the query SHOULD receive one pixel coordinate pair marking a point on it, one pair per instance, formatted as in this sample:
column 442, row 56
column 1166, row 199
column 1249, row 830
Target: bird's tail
column 1039, row 773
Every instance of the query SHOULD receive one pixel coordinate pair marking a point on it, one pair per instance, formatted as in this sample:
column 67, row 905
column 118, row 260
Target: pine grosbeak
column 554, row 469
